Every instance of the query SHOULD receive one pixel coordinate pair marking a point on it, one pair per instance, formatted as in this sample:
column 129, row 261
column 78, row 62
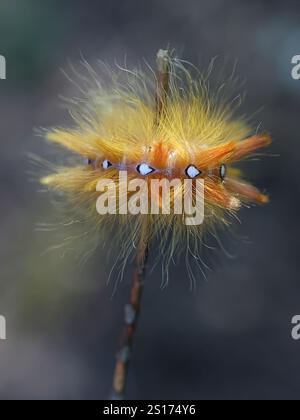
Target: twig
column 162, row 83
column 132, row 309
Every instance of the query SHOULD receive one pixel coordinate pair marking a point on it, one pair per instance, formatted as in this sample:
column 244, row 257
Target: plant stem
column 132, row 309
column 162, row 83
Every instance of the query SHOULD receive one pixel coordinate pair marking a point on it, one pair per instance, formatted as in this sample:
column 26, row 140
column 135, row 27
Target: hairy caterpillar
column 196, row 137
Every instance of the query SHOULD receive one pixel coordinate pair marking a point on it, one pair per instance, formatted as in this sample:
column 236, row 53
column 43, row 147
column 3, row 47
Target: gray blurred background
column 231, row 337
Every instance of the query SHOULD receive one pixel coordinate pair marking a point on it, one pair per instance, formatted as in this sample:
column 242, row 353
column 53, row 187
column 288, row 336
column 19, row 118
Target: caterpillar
column 197, row 137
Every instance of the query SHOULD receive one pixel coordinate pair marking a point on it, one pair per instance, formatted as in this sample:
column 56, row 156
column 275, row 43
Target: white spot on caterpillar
column 106, row 164
column 223, row 171
column 144, row 169
column 192, row 171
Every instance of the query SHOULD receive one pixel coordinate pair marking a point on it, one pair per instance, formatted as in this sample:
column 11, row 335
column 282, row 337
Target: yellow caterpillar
column 196, row 137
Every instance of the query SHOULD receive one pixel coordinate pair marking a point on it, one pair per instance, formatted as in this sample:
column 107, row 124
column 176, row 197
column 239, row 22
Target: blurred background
column 230, row 338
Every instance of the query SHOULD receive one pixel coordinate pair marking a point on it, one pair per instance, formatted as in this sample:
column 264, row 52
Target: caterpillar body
column 196, row 137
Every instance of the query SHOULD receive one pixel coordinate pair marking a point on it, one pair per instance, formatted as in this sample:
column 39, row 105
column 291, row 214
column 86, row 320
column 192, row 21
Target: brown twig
column 132, row 309
column 162, row 83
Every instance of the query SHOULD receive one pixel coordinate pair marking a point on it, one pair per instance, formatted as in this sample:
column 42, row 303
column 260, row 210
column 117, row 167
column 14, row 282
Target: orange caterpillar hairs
column 195, row 137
